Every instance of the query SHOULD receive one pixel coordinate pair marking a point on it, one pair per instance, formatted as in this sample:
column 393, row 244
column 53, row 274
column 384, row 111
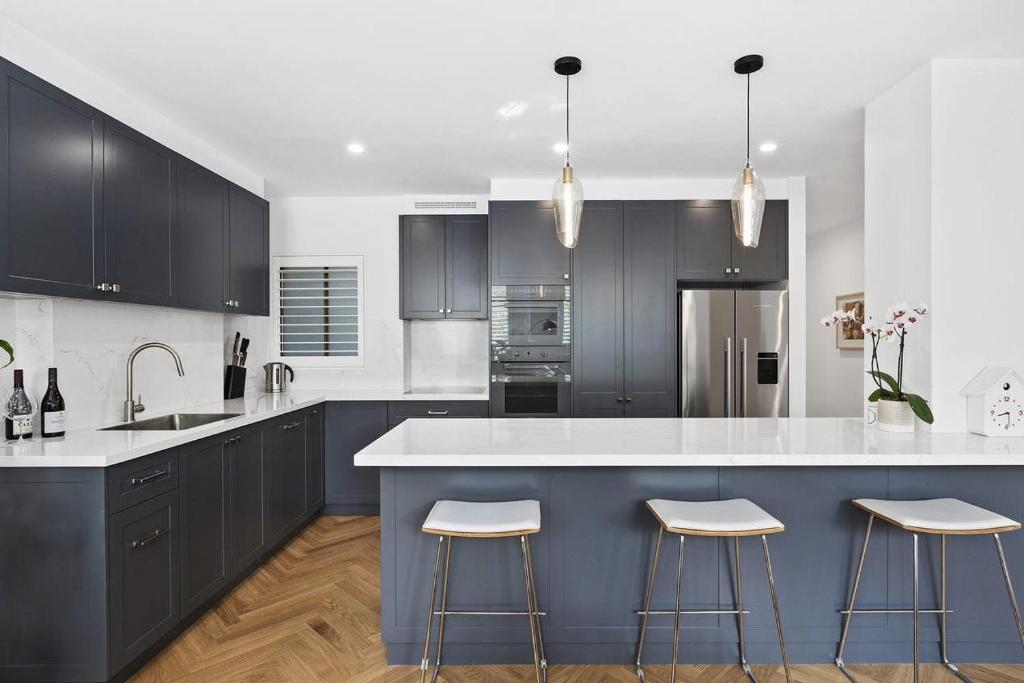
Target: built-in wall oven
column 531, row 373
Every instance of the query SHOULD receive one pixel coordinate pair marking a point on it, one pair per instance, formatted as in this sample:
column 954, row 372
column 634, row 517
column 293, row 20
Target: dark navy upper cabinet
column 524, row 249
column 707, row 249
column 248, row 253
column 51, row 189
column 202, row 238
column 140, row 201
column 443, row 267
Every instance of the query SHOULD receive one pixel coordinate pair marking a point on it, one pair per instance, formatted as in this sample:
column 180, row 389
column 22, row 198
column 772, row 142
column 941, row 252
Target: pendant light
column 748, row 193
column 568, row 191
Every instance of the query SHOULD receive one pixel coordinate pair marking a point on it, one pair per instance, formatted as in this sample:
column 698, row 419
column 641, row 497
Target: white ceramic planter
column 895, row 416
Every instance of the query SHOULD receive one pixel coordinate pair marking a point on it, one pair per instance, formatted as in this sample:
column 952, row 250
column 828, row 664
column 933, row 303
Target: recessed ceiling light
column 356, row 148
column 768, row 147
column 560, row 147
column 512, row 109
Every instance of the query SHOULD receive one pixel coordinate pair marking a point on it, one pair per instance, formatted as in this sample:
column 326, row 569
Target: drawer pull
column 437, row 412
column 291, row 426
column 140, row 481
column 148, row 539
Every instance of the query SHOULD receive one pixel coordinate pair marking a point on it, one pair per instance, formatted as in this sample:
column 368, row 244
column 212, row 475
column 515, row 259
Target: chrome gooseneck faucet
column 131, row 407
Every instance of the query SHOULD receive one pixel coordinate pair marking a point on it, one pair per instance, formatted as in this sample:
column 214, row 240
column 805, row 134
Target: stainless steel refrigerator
column 733, row 353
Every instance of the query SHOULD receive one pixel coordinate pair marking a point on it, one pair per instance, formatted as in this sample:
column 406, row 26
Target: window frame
column 317, row 261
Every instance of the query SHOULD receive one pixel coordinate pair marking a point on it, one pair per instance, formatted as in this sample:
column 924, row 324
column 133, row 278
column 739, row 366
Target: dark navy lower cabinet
column 350, row 426
column 314, row 459
column 143, row 548
column 245, row 516
column 204, row 491
column 285, row 475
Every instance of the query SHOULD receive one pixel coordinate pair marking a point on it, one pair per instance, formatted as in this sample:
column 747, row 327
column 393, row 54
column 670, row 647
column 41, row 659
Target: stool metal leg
column 1009, row 587
column 425, row 661
column 917, row 615
column 739, row 610
column 679, row 600
column 775, row 605
column 853, row 598
column 444, row 609
column 536, row 609
column 530, row 609
column 942, row 620
column 647, row 604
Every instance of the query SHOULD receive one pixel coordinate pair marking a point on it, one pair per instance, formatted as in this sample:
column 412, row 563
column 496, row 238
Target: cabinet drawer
column 399, row 411
column 139, row 480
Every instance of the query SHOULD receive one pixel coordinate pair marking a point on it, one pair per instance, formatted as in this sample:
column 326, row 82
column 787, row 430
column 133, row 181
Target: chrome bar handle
column 743, row 378
column 728, row 377
column 149, row 539
column 139, row 481
column 437, row 412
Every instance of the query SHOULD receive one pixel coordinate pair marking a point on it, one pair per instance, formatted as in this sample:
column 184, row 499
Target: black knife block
column 234, row 381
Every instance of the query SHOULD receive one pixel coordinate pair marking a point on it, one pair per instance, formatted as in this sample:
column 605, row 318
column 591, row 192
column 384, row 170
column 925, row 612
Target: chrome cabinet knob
column 736, row 271
column 441, row 311
column 103, row 287
column 728, row 271
column 116, row 289
column 449, row 311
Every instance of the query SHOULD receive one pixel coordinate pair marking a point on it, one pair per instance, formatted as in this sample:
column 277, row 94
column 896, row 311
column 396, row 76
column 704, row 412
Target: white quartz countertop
column 693, row 442
column 91, row 447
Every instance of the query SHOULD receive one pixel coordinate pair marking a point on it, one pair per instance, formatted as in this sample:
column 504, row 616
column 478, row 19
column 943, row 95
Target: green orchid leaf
column 920, row 408
column 887, row 378
column 881, row 393
column 10, row 352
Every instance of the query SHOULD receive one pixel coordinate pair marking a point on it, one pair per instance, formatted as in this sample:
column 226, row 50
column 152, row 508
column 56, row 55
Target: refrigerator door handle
column 743, row 378
column 728, row 377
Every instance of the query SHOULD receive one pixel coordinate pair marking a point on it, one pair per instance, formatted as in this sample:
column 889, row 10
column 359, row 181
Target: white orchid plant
column 900, row 319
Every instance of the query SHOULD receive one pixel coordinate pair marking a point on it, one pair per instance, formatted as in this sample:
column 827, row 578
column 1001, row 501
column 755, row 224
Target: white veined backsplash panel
column 91, row 344
column 448, row 353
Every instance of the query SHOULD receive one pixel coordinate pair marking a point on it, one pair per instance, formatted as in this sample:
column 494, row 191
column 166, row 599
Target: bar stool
column 942, row 517
column 449, row 519
column 734, row 518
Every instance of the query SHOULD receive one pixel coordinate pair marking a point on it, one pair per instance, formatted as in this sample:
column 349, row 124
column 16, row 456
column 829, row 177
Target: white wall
column 89, row 341
column 793, row 189
column 942, row 154
column 835, row 264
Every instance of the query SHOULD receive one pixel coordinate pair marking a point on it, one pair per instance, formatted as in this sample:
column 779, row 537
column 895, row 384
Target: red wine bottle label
column 55, row 421
column 21, row 425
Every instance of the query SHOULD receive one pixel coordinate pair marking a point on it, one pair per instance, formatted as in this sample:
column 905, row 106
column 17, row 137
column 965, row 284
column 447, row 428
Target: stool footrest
column 896, row 611
column 664, row 612
column 464, row 613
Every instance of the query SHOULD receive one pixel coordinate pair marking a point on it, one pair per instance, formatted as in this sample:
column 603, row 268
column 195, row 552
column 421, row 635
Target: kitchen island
column 592, row 477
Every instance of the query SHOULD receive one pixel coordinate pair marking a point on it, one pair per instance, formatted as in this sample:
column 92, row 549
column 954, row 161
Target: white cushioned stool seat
column 735, row 517
column 938, row 515
column 458, row 518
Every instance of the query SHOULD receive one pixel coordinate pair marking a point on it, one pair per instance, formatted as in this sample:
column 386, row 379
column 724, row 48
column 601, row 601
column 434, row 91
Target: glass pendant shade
column 568, row 203
column 748, row 206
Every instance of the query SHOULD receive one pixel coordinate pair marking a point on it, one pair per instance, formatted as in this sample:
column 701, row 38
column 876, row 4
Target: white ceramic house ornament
column 995, row 402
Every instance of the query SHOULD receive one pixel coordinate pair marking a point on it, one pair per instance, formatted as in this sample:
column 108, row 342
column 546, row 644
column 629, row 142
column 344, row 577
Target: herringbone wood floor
column 312, row 614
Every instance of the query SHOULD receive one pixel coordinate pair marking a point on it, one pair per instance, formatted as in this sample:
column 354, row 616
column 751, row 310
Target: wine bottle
column 51, row 409
column 18, row 418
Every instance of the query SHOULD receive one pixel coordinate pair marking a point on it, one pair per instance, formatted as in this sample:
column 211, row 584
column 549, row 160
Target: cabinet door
column 524, row 249
column 246, row 498
column 649, row 318
column 143, row 555
column 139, row 198
column 51, row 189
column 314, row 459
column 248, row 252
column 422, row 249
column 466, row 267
column 704, row 240
column 351, row 426
column 768, row 262
column 284, row 483
column 597, row 371
column 203, row 487
column 202, row 237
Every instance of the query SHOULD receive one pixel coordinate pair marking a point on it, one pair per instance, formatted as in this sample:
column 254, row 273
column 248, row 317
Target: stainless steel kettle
column 276, row 382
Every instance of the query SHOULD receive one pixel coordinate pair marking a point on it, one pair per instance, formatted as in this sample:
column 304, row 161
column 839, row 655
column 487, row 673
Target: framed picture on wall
column 849, row 335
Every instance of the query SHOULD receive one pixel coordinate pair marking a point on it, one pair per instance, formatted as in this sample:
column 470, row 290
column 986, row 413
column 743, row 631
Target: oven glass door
column 530, row 323
column 531, row 390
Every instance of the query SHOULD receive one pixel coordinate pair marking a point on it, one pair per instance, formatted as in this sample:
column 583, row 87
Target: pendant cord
column 748, row 119
column 567, row 120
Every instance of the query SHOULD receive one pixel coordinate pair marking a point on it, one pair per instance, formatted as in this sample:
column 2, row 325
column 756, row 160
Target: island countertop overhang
column 676, row 442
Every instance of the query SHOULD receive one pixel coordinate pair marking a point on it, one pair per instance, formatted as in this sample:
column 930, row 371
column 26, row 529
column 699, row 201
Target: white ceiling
column 284, row 86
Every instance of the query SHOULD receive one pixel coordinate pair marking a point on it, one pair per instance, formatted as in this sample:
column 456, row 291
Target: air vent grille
column 444, row 205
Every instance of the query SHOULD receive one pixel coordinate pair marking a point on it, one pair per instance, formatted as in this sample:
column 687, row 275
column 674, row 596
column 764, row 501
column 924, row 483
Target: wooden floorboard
column 312, row 613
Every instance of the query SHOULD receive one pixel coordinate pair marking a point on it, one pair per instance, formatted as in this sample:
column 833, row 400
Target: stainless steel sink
column 172, row 423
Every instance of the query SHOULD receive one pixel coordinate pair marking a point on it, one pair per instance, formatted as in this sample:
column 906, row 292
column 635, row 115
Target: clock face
column 1006, row 414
